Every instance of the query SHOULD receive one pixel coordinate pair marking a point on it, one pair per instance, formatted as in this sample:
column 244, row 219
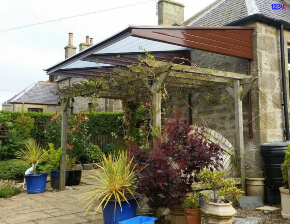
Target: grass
column 7, row 191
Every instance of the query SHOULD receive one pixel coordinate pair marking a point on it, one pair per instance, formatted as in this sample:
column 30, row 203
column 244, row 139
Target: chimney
column 86, row 44
column 70, row 50
column 91, row 41
column 170, row 13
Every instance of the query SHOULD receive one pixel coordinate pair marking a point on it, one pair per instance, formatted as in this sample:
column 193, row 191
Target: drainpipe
column 285, row 101
column 251, row 134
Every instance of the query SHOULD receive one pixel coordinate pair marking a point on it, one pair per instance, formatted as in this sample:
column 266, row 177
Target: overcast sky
column 25, row 52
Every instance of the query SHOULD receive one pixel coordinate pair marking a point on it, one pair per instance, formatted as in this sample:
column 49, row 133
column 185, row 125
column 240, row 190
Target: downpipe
column 285, row 100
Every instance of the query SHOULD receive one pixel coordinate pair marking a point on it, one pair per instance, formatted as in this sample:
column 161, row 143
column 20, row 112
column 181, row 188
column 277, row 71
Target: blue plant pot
column 36, row 183
column 128, row 211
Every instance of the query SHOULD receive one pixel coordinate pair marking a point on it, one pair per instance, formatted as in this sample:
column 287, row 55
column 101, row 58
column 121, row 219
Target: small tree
column 221, row 187
column 32, row 154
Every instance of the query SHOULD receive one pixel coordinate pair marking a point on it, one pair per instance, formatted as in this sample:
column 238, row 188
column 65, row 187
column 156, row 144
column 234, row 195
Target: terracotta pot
column 255, row 187
column 192, row 216
column 218, row 213
column 177, row 215
column 285, row 202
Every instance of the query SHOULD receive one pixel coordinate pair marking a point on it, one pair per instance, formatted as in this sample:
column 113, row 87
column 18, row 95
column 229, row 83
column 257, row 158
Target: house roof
column 37, row 93
column 163, row 42
column 224, row 12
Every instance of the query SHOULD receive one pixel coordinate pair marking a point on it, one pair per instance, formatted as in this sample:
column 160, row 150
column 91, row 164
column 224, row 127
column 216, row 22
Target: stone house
column 264, row 107
column 37, row 97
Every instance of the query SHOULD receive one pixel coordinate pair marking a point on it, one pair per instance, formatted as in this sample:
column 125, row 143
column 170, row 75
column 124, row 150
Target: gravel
column 267, row 217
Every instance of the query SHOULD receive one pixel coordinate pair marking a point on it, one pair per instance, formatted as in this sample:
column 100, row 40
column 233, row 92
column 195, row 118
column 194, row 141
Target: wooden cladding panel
column 229, row 41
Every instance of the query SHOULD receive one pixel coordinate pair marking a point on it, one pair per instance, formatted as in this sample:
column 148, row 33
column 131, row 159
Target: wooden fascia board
column 233, row 41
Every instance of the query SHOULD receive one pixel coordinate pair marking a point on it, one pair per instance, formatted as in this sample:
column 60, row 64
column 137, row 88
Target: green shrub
column 95, row 154
column 109, row 148
column 52, row 157
column 7, row 191
column 284, row 166
column 12, row 169
column 105, row 123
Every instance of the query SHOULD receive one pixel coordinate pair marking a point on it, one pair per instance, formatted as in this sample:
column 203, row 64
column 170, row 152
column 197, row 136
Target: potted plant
column 73, row 175
column 219, row 209
column 52, row 163
column 33, row 154
column 192, row 209
column 284, row 191
column 116, row 192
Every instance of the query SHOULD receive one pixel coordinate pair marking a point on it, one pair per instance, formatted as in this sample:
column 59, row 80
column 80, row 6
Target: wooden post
column 189, row 109
column 63, row 145
column 239, row 129
column 156, row 104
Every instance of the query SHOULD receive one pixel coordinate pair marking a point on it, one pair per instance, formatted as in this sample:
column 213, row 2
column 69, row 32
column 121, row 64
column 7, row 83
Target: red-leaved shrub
column 168, row 172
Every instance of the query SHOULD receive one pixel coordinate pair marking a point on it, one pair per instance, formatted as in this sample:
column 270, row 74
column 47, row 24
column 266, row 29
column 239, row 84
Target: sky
column 26, row 52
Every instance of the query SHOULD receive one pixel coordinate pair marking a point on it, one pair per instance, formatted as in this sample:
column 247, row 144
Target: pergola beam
column 199, row 71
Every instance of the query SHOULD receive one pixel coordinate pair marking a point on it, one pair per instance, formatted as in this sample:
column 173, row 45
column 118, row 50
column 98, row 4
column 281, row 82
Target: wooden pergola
column 168, row 68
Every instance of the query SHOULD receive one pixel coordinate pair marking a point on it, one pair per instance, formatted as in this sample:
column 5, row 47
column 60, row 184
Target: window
column 39, row 110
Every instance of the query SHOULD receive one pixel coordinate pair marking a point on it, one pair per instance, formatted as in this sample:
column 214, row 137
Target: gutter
column 281, row 24
column 261, row 18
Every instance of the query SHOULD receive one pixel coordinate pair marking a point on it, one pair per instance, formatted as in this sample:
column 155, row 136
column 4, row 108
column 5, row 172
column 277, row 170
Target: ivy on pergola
column 146, row 81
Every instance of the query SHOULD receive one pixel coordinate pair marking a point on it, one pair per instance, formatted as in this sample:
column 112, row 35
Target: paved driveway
column 50, row 207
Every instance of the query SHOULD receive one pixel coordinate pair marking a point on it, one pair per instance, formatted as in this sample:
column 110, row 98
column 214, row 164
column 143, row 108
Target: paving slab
column 268, row 208
column 51, row 207
column 247, row 220
column 21, row 218
column 250, row 202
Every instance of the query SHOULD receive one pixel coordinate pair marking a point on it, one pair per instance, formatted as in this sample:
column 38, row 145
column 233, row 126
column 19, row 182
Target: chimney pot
column 87, row 39
column 91, row 40
column 70, row 39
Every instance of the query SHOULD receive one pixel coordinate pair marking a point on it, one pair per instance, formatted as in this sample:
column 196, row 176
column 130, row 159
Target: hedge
column 106, row 123
column 98, row 124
